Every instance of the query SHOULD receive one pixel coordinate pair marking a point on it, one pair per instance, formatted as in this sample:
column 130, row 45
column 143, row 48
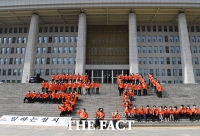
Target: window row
column 156, row 38
column 58, row 29
column 163, row 60
column 9, row 40
column 56, row 50
column 161, row 72
column 46, row 72
column 58, row 60
column 159, row 49
column 11, row 72
column 165, row 28
column 171, row 82
column 13, row 30
column 157, row 28
column 57, row 39
column 11, row 81
column 10, row 61
column 13, row 50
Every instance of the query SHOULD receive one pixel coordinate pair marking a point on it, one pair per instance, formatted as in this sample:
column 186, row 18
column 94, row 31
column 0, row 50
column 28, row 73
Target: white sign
column 34, row 120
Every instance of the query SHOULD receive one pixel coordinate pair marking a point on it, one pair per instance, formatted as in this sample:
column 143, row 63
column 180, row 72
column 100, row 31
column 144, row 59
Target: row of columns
column 188, row 74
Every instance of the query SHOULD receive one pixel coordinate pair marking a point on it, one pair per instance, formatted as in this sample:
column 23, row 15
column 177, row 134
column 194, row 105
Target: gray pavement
column 10, row 130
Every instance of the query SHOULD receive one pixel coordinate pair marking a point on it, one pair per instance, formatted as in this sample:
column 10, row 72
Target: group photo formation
column 108, row 67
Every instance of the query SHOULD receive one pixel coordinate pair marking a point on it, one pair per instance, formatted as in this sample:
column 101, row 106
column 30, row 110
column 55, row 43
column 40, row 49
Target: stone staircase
column 12, row 95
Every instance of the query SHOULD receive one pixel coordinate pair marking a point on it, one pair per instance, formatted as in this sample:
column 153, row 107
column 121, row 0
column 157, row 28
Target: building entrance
column 105, row 76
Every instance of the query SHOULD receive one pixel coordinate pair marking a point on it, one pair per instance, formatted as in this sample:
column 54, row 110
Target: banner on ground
column 34, row 120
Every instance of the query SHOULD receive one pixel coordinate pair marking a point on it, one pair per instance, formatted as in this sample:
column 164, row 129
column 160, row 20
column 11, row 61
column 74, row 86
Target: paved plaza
column 10, row 130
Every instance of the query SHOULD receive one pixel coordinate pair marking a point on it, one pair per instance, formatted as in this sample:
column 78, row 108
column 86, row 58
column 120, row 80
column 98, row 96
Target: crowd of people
column 63, row 89
column 162, row 113
column 70, row 86
column 132, row 83
column 155, row 85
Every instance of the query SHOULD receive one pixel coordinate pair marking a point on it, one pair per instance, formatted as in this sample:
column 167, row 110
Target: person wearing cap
column 100, row 114
column 83, row 115
column 195, row 113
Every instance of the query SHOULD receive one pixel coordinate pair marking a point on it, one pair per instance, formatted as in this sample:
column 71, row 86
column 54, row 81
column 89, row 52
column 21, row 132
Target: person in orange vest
column 121, row 87
column 66, row 77
column 189, row 113
column 38, row 97
column 97, row 86
column 142, row 114
column 79, row 85
column 33, row 97
column 135, row 112
column 74, row 86
column 43, row 86
column 92, row 85
column 46, row 86
column 139, row 89
column 160, row 89
column 28, row 97
column 171, row 114
column 155, row 114
column 161, row 114
column 45, row 97
column 127, row 112
column 195, row 113
column 78, row 77
column 148, row 113
column 166, row 114
column 176, row 113
column 144, row 86
column 115, row 118
column 70, row 86
column 83, row 115
column 88, row 86
column 53, row 77
column 100, row 114
column 182, row 112
column 131, row 95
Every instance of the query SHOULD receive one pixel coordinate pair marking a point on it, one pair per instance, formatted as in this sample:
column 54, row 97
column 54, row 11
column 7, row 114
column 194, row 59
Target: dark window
column 25, row 30
column 48, row 60
column 45, row 29
column 20, row 30
column 49, row 50
column 12, row 50
column 50, row 39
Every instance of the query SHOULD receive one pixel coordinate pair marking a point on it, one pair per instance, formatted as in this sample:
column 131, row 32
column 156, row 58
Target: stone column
column 133, row 54
column 81, row 45
column 28, row 69
column 186, row 57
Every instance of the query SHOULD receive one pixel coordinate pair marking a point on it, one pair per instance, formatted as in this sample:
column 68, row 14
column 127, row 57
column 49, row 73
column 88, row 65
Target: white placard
column 35, row 120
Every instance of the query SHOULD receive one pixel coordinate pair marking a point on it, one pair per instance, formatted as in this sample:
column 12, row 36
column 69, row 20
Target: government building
column 100, row 37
